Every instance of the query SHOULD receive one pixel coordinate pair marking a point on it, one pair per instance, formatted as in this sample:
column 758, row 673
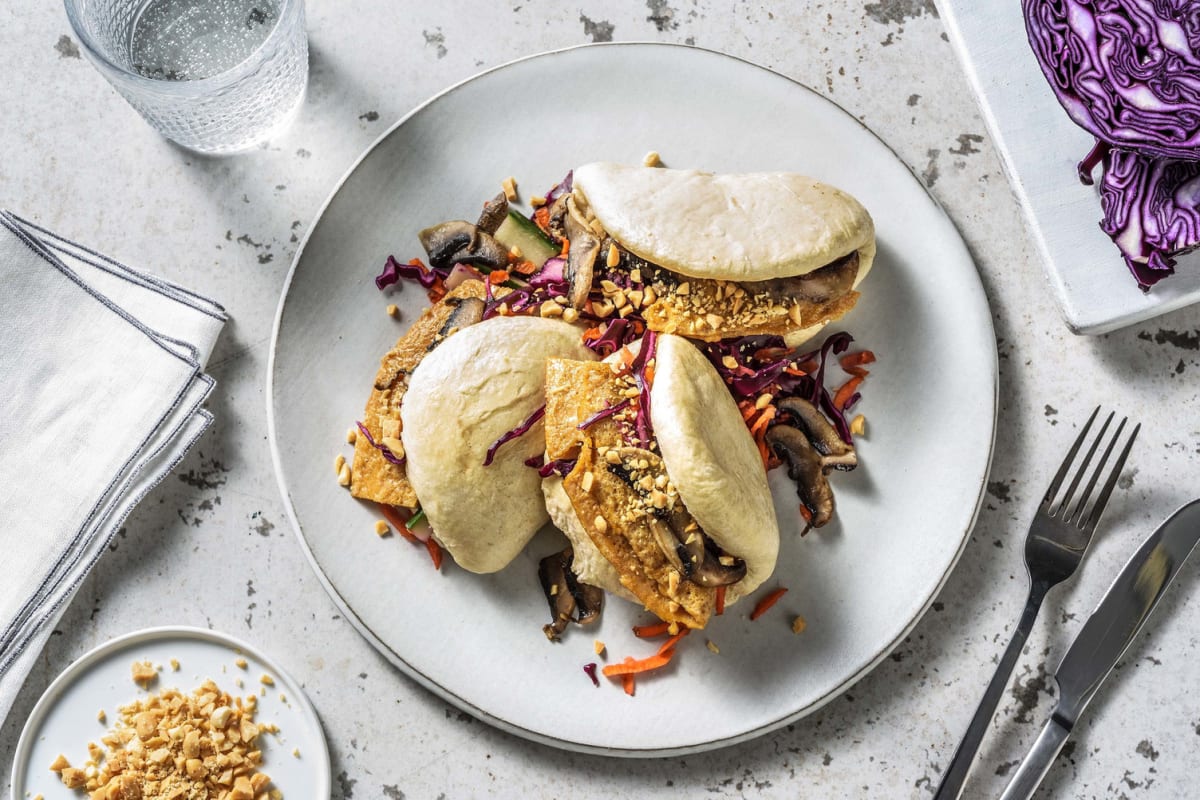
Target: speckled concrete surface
column 211, row 547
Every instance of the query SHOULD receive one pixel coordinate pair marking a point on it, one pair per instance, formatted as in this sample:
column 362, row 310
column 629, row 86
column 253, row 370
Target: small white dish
column 65, row 718
column 1039, row 147
column 862, row 583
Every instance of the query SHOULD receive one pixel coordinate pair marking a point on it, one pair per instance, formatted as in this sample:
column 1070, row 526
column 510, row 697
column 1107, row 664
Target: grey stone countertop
column 212, row 547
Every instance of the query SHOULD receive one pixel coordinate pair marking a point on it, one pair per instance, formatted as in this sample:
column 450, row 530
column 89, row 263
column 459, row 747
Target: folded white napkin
column 101, row 385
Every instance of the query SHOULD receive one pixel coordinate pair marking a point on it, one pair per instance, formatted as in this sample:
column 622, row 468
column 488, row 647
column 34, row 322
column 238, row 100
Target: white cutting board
column 1039, row 147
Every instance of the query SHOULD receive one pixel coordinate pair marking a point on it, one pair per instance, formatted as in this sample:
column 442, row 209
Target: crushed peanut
column 143, row 673
column 652, row 159
column 537, row 201
column 101, row 715
column 393, row 310
column 711, row 645
column 295, row 752
column 382, row 528
column 172, row 746
column 601, row 523
column 343, row 477
column 338, row 463
column 763, row 401
column 858, row 425
column 174, row 664
column 240, row 663
column 598, row 647
column 614, row 256
column 266, row 680
column 588, row 479
column 352, row 435
column 509, row 185
column 798, row 625
column 570, row 315
column 393, row 444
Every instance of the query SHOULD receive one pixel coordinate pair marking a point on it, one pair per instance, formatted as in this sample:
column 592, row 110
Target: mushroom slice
column 806, row 469
column 467, row 311
column 493, row 214
column 558, row 216
column 570, row 599
column 822, row 285
column 581, row 258
column 835, row 453
column 460, row 242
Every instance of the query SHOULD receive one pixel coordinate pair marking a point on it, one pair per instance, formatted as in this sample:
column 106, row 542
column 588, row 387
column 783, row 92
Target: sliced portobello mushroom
column 467, row 311
column 460, row 242
column 493, row 214
column 819, row 286
column 581, row 258
column 558, row 216
column 835, row 453
column 570, row 599
column 806, row 469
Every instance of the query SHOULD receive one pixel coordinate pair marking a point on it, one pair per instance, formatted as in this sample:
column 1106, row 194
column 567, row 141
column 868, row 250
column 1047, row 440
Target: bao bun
column 479, row 384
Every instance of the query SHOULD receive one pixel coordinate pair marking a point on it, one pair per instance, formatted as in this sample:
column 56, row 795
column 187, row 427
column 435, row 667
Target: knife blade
column 1105, row 637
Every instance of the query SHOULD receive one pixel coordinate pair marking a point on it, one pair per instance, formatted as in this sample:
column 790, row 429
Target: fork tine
column 1102, row 500
column 1066, row 464
column 1076, row 514
column 1087, row 460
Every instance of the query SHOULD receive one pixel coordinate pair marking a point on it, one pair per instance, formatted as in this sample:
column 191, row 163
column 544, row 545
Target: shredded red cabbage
column 393, row 271
column 590, row 669
column 766, row 364
column 603, row 413
column 561, row 188
column 520, row 430
column 562, row 466
column 387, row 454
column 550, row 273
column 645, row 355
column 615, row 336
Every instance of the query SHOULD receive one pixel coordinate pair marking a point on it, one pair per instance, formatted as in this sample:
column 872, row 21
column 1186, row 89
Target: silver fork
column 1058, row 537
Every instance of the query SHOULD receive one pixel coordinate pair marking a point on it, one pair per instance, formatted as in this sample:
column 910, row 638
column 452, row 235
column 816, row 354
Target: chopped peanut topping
column 393, row 310
column 652, row 159
column 798, row 625
column 382, row 528
column 509, row 185
column 143, row 673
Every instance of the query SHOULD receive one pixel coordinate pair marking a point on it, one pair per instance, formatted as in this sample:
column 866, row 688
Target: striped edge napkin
column 101, row 385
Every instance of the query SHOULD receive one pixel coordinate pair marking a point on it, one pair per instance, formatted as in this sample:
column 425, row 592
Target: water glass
column 216, row 76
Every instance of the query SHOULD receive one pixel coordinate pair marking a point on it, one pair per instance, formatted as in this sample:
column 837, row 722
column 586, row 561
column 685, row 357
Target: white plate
column 1039, row 147
column 861, row 585
column 65, row 718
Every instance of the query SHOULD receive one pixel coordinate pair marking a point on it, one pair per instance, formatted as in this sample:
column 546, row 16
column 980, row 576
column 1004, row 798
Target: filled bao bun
column 715, row 478
column 479, row 384
column 730, row 255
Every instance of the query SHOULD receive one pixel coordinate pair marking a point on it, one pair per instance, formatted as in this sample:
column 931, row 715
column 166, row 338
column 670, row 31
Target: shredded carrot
column 650, row 631
column 668, row 647
column 764, row 605
column 632, row 666
column 759, row 427
column 799, row 373
column 393, row 516
column 497, row 276
column 566, row 246
column 627, row 682
column 435, row 552
column 592, row 334
column 541, row 217
column 847, row 390
column 627, row 357
column 804, row 512
column 720, row 601
column 524, row 268
column 748, row 410
column 853, row 360
column 437, row 291
column 649, row 373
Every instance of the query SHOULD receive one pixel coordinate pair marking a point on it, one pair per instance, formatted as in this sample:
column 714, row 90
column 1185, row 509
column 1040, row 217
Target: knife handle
column 1037, row 761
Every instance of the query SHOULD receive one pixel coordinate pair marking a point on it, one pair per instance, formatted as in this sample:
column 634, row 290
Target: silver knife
column 1105, row 636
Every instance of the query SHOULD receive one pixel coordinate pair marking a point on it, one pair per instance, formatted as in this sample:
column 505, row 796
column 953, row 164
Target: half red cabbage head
column 1125, row 70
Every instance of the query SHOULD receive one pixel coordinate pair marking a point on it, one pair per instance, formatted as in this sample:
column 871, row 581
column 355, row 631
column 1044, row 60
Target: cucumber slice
column 517, row 231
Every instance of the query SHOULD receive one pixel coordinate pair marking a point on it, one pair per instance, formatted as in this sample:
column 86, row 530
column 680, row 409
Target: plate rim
column 508, row 726
column 84, row 662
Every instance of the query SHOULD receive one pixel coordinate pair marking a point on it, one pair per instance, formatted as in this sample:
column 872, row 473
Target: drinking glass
column 216, row 76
